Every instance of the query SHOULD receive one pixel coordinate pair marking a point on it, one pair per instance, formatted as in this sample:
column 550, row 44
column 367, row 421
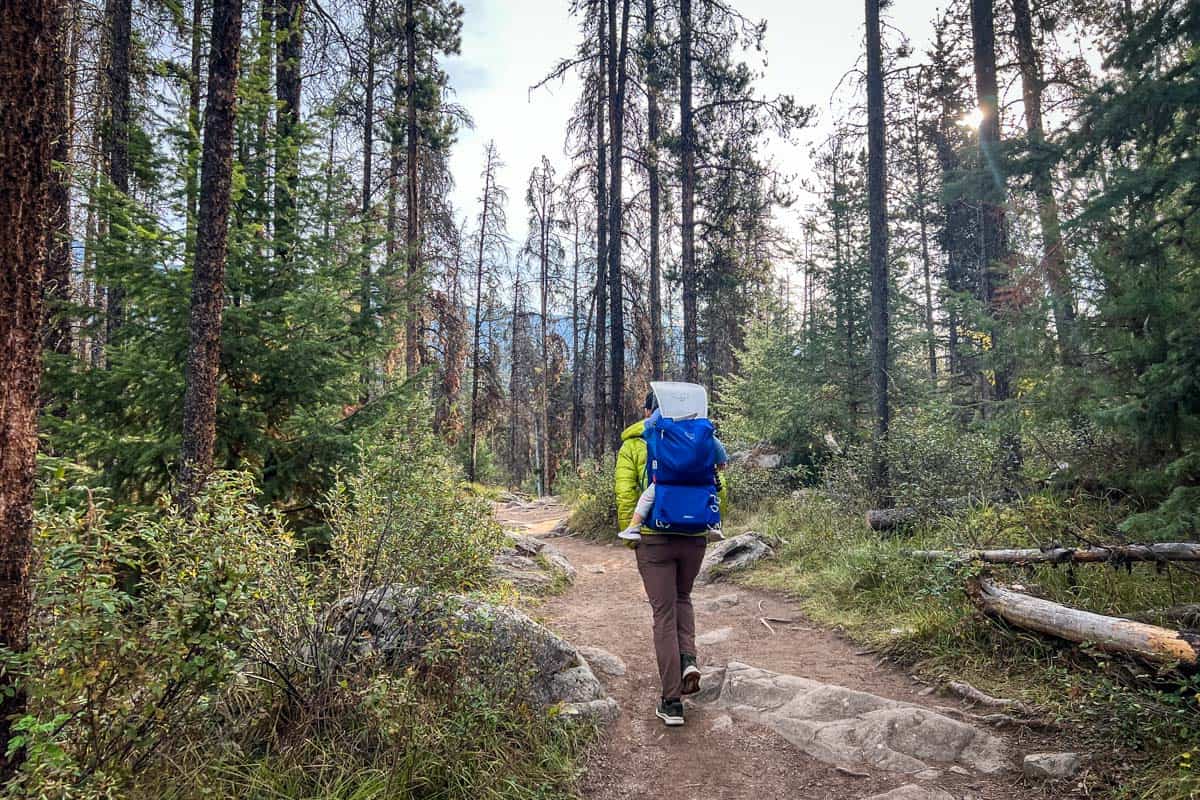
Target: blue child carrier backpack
column 681, row 462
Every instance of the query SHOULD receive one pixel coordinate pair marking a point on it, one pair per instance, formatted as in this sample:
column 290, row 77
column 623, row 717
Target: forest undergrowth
column 186, row 656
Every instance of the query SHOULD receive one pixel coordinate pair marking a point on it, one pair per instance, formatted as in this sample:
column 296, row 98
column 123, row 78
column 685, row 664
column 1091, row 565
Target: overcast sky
column 508, row 45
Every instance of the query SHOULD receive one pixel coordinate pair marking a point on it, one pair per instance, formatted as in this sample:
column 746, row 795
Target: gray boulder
column 850, row 728
column 732, row 555
column 1051, row 766
column 531, row 565
column 762, row 456
column 495, row 645
column 603, row 661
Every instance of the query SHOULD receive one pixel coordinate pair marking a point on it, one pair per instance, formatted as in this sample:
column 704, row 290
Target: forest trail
column 714, row 756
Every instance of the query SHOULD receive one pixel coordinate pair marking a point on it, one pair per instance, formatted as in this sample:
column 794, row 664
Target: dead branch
column 1118, row 553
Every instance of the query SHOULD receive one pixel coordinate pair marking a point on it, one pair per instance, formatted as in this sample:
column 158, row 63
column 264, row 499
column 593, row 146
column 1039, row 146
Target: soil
column 638, row 757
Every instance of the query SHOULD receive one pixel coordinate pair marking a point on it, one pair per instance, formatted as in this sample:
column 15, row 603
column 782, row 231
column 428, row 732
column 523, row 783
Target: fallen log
column 1149, row 643
column 1119, row 553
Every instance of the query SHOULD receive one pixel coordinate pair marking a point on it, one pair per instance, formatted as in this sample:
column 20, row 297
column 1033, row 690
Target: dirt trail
column 709, row 758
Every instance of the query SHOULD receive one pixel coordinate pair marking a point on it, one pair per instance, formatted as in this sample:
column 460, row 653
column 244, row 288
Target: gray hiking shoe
column 670, row 711
column 691, row 673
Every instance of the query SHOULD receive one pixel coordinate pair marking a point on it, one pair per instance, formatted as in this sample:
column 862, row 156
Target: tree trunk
column 687, row 194
column 478, row 323
column 994, row 271
column 653, row 90
column 192, row 181
column 396, row 356
column 208, row 273
column 576, row 406
column 120, row 19
column 412, row 233
column 368, row 136
column 599, row 372
column 1054, row 262
column 289, row 33
column 616, row 293
column 923, row 223
column 1111, row 634
column 57, row 285
column 30, row 63
column 544, row 222
column 877, row 200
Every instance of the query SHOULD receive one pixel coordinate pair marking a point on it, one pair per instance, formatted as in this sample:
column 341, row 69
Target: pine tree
column 31, row 59
column 208, row 271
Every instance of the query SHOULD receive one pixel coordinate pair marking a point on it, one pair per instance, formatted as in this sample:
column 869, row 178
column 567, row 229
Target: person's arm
column 627, row 484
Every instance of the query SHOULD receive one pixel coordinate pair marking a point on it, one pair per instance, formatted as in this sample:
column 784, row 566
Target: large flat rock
column 850, row 728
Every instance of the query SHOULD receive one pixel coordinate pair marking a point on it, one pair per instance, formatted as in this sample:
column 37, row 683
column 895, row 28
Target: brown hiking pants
column 668, row 565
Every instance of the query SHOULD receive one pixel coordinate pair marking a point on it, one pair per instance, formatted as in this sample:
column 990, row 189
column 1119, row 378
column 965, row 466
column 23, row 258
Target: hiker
column 676, row 503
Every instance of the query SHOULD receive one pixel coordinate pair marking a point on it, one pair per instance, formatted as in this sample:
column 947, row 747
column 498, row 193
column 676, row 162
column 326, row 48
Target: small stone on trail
column 928, row 690
column 595, row 569
column 714, row 637
column 603, row 661
column 911, row 791
column 721, row 723
column 1051, row 766
column 721, row 603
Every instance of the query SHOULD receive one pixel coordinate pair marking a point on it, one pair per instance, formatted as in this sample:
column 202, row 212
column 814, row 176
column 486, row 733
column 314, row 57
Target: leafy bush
column 137, row 628
column 402, row 517
column 757, row 489
column 930, row 459
column 591, row 495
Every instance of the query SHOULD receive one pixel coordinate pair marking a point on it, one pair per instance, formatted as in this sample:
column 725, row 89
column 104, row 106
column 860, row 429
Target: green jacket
column 630, row 477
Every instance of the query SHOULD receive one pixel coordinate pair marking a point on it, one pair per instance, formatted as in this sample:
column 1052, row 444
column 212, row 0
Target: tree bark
column 1054, row 262
column 923, row 224
column 412, row 233
column 1148, row 643
column 120, row 18
column 599, row 373
column 653, row 90
column 192, row 182
column 687, row 197
column 289, row 33
column 877, row 201
column 30, row 62
column 616, row 294
column 488, row 178
column 57, row 286
column 993, row 236
column 368, row 137
column 208, row 273
column 994, row 269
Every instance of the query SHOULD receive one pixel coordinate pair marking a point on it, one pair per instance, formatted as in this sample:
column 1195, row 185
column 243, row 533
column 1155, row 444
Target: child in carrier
column 646, row 500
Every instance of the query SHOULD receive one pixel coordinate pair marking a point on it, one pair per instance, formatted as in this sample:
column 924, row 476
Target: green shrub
column 757, row 489
column 401, row 517
column 589, row 492
column 137, row 628
column 930, row 459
